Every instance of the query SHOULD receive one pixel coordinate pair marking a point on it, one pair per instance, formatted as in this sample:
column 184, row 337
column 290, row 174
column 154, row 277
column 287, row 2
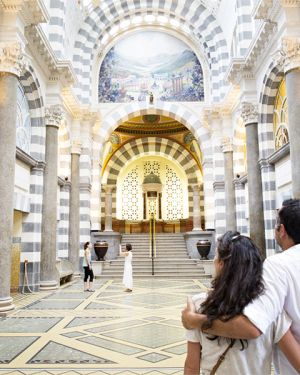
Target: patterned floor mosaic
column 69, row 332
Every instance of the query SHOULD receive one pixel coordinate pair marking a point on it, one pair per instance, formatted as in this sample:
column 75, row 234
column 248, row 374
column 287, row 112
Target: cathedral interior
column 159, row 123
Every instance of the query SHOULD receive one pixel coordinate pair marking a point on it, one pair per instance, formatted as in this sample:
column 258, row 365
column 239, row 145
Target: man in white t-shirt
column 282, row 281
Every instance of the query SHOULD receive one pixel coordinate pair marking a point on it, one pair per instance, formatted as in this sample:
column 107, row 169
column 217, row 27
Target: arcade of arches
column 115, row 112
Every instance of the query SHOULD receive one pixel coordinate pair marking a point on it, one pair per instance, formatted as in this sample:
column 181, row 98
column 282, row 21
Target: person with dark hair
column 238, row 281
column 281, row 275
column 127, row 275
column 87, row 267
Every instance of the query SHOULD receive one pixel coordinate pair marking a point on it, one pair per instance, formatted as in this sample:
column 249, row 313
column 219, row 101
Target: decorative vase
column 203, row 247
column 100, row 248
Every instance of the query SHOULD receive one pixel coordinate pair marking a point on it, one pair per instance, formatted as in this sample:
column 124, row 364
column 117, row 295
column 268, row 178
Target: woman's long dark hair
column 238, row 282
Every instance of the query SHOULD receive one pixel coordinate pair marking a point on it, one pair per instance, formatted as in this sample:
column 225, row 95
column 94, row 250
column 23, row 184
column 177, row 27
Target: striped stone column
column 11, row 65
column 74, row 238
column 196, row 208
column 54, row 116
column 108, row 208
column 290, row 51
column 256, row 213
column 229, row 185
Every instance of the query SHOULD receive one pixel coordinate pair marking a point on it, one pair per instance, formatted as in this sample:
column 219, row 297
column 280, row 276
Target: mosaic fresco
column 150, row 62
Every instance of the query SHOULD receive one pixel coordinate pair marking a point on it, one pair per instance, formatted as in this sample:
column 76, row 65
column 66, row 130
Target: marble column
column 74, row 228
column 108, row 208
column 48, row 278
column 8, row 110
column 11, row 65
column 291, row 52
column 255, row 197
column 229, row 185
column 196, row 208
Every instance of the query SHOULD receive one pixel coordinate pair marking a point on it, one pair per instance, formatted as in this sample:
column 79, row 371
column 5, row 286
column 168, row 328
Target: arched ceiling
column 140, row 127
column 151, row 124
column 112, row 18
column 136, row 148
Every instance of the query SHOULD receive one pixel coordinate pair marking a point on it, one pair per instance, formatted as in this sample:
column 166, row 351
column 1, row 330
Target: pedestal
column 97, row 267
column 191, row 239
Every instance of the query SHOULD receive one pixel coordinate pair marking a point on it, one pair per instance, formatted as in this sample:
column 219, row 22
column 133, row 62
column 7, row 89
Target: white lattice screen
column 130, row 196
column 174, row 201
column 174, row 195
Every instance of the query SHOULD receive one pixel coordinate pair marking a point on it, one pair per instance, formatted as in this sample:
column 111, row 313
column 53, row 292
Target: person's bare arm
column 291, row 349
column 192, row 361
column 238, row 327
column 122, row 253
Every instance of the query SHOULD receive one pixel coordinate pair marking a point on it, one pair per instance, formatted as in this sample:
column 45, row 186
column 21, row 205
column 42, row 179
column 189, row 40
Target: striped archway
column 152, row 146
column 179, row 112
column 104, row 22
column 32, row 222
column 271, row 82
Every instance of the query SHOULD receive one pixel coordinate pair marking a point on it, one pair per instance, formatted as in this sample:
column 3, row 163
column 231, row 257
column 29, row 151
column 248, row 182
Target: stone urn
column 203, row 247
column 100, row 248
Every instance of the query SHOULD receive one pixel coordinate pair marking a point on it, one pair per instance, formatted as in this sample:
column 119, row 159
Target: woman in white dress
column 127, row 275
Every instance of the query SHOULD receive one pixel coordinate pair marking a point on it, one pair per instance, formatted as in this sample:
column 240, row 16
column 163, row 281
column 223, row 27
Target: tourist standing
column 238, row 281
column 282, row 291
column 127, row 275
column 87, row 267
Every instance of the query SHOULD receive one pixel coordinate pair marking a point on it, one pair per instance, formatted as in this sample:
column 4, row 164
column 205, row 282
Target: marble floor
column 71, row 332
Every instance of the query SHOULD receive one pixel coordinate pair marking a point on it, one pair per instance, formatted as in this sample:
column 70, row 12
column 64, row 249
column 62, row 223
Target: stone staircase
column 171, row 259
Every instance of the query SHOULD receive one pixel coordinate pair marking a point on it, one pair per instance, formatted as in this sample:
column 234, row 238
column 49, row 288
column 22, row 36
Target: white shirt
column 255, row 359
column 282, row 280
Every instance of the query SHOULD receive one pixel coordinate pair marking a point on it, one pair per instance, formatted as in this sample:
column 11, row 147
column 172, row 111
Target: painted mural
column 150, row 62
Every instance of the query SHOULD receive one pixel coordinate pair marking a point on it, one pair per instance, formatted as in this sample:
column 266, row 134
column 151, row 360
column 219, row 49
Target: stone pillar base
column 97, row 267
column 48, row 285
column 6, row 305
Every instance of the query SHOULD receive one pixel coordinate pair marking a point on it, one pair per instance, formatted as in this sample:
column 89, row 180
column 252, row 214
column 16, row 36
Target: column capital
column 66, row 186
column 108, row 188
column 54, row 115
column 76, row 147
column 290, row 52
column 227, row 144
column 12, row 58
column 249, row 113
column 40, row 166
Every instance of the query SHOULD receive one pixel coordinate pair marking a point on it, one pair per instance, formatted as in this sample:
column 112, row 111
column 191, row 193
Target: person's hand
column 189, row 317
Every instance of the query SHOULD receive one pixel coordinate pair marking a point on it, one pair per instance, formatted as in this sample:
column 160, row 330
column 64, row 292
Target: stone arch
column 148, row 146
column 32, row 90
column 270, row 86
column 137, row 148
column 32, row 222
column 190, row 15
column 178, row 112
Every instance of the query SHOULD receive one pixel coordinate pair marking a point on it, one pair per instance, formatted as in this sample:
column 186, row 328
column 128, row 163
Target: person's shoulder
column 199, row 297
column 284, row 257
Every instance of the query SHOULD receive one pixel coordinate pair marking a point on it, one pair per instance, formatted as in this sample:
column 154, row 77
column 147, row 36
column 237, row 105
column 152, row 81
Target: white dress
column 127, row 276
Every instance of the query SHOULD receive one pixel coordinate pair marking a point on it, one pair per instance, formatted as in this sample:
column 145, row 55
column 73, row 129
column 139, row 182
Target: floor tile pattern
column 71, row 332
